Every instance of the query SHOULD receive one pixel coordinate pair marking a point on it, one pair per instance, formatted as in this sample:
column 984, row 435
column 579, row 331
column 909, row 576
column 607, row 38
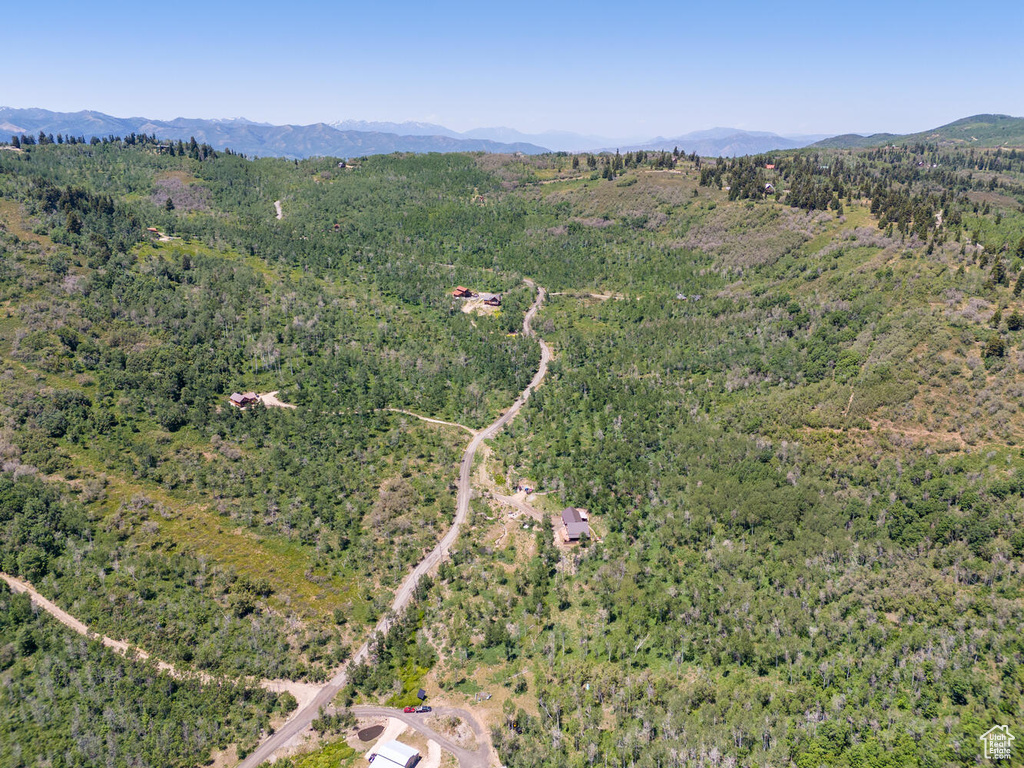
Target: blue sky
column 618, row 69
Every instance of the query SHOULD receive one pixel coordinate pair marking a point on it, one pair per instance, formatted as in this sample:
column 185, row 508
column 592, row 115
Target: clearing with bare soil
column 270, row 400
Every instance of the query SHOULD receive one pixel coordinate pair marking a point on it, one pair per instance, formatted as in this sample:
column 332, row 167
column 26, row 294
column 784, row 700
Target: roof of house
column 575, row 525
column 395, row 753
column 573, row 531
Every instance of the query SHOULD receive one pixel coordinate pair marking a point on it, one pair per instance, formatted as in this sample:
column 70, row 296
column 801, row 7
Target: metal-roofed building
column 395, row 753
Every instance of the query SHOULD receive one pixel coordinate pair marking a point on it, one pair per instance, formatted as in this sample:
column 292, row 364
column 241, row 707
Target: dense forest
column 786, row 388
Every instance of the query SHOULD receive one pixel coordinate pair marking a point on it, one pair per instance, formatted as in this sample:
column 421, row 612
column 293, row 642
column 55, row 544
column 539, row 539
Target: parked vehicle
column 409, row 709
column 423, row 709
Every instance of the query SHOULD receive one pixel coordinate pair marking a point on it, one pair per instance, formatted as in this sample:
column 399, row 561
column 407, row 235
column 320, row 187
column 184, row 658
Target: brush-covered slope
column 978, row 131
column 788, row 398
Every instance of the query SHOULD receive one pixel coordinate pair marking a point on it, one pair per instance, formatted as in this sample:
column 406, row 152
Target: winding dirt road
column 432, row 421
column 303, row 716
column 121, row 646
column 302, row 691
column 310, row 701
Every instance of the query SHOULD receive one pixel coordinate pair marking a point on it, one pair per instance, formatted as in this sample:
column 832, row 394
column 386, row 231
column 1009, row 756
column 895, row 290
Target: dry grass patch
column 14, row 220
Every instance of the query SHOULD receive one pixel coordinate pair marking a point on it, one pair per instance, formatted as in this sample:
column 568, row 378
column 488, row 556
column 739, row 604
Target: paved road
column 468, row 758
column 303, row 716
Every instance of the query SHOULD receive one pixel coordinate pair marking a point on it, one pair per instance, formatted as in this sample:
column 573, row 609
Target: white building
column 395, row 753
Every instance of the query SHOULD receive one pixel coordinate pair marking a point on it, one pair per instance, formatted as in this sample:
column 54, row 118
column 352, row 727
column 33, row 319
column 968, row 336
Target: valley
column 785, row 388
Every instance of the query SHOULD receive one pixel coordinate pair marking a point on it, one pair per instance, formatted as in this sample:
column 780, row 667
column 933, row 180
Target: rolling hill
column 977, row 130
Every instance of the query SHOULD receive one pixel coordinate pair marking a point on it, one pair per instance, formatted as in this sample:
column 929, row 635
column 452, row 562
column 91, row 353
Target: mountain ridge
column 981, row 130
column 347, row 138
column 248, row 137
column 722, row 142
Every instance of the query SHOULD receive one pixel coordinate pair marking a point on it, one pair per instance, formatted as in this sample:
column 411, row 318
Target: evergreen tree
column 995, row 347
column 999, row 273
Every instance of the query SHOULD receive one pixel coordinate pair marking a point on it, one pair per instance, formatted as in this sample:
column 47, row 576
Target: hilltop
column 978, row 131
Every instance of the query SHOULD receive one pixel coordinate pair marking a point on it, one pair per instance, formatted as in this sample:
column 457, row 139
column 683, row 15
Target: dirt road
column 519, row 504
column 301, row 718
column 270, row 400
column 122, row 647
column 432, row 421
column 303, row 692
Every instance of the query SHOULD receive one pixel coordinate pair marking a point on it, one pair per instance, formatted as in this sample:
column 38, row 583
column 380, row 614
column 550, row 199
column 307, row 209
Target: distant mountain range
column 555, row 141
column 350, row 138
column 727, row 142
column 353, row 138
column 249, row 138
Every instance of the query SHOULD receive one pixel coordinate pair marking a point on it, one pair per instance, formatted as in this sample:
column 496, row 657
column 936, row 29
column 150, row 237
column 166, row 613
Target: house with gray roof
column 574, row 525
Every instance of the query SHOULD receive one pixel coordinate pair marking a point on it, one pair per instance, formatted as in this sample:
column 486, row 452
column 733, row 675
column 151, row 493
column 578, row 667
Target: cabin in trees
column 462, row 293
column 574, row 524
column 494, row 300
column 244, row 399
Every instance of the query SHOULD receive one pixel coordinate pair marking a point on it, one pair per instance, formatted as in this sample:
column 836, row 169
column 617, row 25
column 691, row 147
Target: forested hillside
column 785, row 388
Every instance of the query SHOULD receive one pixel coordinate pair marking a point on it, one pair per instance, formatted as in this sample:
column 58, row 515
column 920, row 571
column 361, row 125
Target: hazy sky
column 634, row 69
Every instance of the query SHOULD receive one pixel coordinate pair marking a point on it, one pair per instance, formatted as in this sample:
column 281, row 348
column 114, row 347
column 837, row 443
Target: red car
column 409, row 709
